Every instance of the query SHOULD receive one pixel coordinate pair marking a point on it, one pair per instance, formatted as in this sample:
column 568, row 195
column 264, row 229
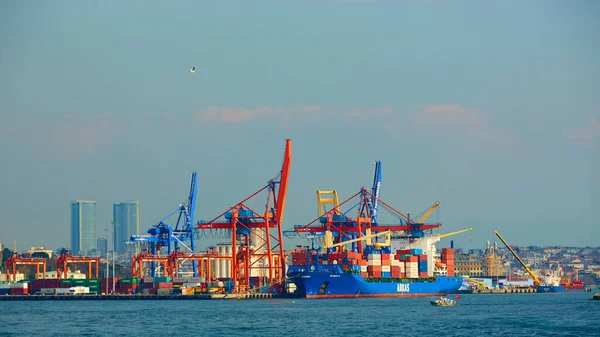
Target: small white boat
column 443, row 302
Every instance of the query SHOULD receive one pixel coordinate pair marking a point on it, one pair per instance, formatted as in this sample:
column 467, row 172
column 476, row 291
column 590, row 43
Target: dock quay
column 117, row 297
column 499, row 291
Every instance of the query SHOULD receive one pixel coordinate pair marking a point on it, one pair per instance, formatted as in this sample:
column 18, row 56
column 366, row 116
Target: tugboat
column 443, row 302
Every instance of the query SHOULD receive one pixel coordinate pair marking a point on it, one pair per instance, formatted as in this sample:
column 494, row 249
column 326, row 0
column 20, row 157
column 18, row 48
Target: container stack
column 104, row 289
column 448, row 260
column 18, row 288
column 398, row 269
column 4, row 288
column 374, row 268
column 127, row 286
column 423, row 272
column 412, row 266
column 94, row 285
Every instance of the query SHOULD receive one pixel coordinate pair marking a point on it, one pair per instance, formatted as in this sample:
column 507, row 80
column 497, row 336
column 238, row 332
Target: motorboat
column 443, row 302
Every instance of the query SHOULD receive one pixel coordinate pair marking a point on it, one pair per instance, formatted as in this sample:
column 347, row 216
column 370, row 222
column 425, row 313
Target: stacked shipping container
column 448, row 260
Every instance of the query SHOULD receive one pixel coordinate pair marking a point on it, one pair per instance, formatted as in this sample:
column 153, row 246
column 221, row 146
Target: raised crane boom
column 536, row 281
column 441, row 236
column 375, row 191
column 328, row 239
column 428, row 212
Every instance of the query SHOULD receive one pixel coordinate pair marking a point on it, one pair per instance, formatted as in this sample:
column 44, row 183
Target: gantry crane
column 329, row 197
column 163, row 235
column 66, row 257
column 139, row 262
column 252, row 240
column 536, row 280
column 13, row 261
column 344, row 227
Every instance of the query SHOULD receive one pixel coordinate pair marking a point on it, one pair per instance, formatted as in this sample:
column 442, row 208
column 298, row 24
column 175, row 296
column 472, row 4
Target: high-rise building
column 126, row 217
column 83, row 226
column 102, row 244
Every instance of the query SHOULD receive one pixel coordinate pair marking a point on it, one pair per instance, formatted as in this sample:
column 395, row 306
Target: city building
column 126, row 217
column 102, row 244
column 468, row 265
column 83, row 226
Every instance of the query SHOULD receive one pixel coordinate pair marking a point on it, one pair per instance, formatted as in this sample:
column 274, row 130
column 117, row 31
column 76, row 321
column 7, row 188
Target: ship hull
column 550, row 289
column 325, row 284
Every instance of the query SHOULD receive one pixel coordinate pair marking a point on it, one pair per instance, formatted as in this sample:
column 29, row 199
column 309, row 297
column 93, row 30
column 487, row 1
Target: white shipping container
column 179, row 279
column 48, row 291
column 363, row 269
column 373, row 263
column 79, row 290
column 18, row 286
column 62, row 291
column 4, row 286
column 148, row 279
column 192, row 284
column 385, row 269
column 374, row 257
column 196, row 279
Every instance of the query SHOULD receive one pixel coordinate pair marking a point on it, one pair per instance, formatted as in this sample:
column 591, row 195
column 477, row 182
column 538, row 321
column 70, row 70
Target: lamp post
column 106, row 257
column 113, row 256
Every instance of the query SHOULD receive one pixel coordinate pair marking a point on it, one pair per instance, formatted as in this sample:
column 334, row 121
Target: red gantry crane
column 66, row 257
column 255, row 249
column 138, row 263
column 13, row 261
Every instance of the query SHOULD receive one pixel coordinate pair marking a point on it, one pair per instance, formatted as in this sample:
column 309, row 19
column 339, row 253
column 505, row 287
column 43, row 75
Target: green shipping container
column 80, row 282
column 162, row 279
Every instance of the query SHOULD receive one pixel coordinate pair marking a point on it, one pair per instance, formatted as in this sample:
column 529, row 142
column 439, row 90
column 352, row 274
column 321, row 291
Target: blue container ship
column 330, row 281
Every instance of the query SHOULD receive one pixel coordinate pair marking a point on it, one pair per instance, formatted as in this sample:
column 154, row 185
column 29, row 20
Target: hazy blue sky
column 490, row 107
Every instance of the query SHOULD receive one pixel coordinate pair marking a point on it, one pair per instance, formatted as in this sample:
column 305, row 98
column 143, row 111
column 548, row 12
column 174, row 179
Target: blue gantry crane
column 163, row 235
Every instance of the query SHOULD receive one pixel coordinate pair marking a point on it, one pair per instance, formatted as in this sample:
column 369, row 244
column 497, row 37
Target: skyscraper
column 102, row 246
column 126, row 215
column 83, row 226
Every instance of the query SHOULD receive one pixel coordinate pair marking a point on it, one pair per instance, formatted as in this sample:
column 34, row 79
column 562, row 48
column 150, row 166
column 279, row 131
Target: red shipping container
column 423, row 275
column 19, row 291
column 52, row 283
column 39, row 284
column 364, row 275
column 376, row 274
column 164, row 285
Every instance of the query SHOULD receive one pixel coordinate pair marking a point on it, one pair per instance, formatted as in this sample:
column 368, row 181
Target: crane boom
column 375, row 190
column 285, row 172
column 535, row 278
column 441, row 236
column 428, row 212
column 328, row 239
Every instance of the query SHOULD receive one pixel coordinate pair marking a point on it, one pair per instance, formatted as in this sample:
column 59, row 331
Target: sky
column 490, row 107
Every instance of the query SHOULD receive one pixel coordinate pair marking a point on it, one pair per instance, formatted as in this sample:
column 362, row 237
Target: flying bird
column 192, row 69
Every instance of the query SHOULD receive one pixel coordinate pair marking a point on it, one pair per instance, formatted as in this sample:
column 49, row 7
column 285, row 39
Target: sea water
column 564, row 314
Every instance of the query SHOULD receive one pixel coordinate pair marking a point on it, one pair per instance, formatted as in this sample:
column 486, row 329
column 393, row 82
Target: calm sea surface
column 567, row 314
